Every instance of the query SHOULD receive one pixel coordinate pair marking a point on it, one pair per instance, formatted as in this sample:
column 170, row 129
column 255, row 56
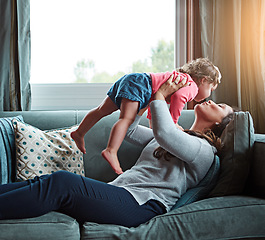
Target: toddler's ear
column 204, row 80
column 201, row 81
column 214, row 87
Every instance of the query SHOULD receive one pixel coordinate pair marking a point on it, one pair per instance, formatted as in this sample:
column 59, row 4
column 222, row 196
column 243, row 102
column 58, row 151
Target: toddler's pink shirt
column 179, row 98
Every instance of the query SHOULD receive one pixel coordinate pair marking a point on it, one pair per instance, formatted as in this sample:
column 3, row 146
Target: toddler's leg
column 104, row 109
column 128, row 113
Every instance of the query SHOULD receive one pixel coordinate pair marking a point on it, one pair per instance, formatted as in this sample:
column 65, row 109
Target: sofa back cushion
column 96, row 140
column 238, row 138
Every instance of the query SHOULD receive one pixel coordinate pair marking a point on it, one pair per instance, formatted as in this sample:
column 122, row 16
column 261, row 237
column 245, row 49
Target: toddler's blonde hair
column 202, row 68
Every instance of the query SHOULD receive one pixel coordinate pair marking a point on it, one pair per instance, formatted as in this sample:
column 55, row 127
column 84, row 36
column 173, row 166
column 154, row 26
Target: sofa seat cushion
column 52, row 226
column 214, row 218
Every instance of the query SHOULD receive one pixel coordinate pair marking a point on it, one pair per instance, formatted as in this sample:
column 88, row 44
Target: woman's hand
column 169, row 87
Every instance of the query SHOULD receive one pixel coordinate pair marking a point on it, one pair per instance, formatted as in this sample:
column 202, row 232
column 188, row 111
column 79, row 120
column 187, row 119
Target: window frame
column 67, row 96
column 85, row 96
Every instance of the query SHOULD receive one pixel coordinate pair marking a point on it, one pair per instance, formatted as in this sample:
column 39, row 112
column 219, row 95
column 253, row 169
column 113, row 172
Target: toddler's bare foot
column 80, row 143
column 112, row 160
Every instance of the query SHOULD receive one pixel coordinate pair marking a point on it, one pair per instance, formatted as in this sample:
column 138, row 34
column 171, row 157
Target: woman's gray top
column 160, row 179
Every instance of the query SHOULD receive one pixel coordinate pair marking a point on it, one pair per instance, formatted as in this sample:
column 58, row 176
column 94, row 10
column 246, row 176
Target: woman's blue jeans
column 82, row 198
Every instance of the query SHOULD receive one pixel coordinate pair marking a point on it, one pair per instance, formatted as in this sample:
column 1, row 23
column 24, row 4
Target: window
column 95, row 41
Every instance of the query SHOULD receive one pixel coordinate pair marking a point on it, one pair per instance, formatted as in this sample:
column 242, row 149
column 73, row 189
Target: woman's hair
column 211, row 135
column 201, row 68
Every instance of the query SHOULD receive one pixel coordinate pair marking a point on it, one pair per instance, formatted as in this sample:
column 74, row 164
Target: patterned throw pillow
column 44, row 152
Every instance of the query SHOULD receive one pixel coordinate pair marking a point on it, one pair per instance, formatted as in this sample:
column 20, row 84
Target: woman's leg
column 128, row 113
column 105, row 108
column 79, row 197
column 4, row 188
column 95, row 201
column 30, row 198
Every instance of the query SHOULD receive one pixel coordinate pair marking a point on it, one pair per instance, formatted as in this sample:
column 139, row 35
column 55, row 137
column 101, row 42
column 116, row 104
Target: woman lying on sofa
column 171, row 162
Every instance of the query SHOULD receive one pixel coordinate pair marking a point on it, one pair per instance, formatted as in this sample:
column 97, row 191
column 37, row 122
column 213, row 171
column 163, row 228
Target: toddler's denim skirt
column 134, row 86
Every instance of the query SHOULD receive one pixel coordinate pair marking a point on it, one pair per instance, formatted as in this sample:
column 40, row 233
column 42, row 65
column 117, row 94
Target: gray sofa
column 233, row 209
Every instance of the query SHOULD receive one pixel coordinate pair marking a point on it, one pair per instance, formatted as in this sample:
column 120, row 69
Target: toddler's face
column 205, row 90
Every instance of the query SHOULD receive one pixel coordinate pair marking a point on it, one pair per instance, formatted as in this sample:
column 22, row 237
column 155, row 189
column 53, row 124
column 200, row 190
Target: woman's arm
column 137, row 134
column 180, row 144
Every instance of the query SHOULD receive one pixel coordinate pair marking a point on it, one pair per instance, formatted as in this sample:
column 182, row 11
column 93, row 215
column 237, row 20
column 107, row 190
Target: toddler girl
column 133, row 92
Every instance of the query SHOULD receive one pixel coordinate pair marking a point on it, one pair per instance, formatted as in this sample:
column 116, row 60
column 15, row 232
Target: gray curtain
column 233, row 37
column 15, row 93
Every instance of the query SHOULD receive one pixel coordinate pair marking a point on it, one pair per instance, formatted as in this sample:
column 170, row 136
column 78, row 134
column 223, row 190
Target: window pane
column 100, row 40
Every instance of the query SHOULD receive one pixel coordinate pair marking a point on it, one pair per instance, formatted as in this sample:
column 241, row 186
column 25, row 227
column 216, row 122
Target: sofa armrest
column 256, row 181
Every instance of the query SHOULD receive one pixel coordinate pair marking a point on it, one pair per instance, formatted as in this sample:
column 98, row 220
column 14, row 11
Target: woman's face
column 211, row 112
